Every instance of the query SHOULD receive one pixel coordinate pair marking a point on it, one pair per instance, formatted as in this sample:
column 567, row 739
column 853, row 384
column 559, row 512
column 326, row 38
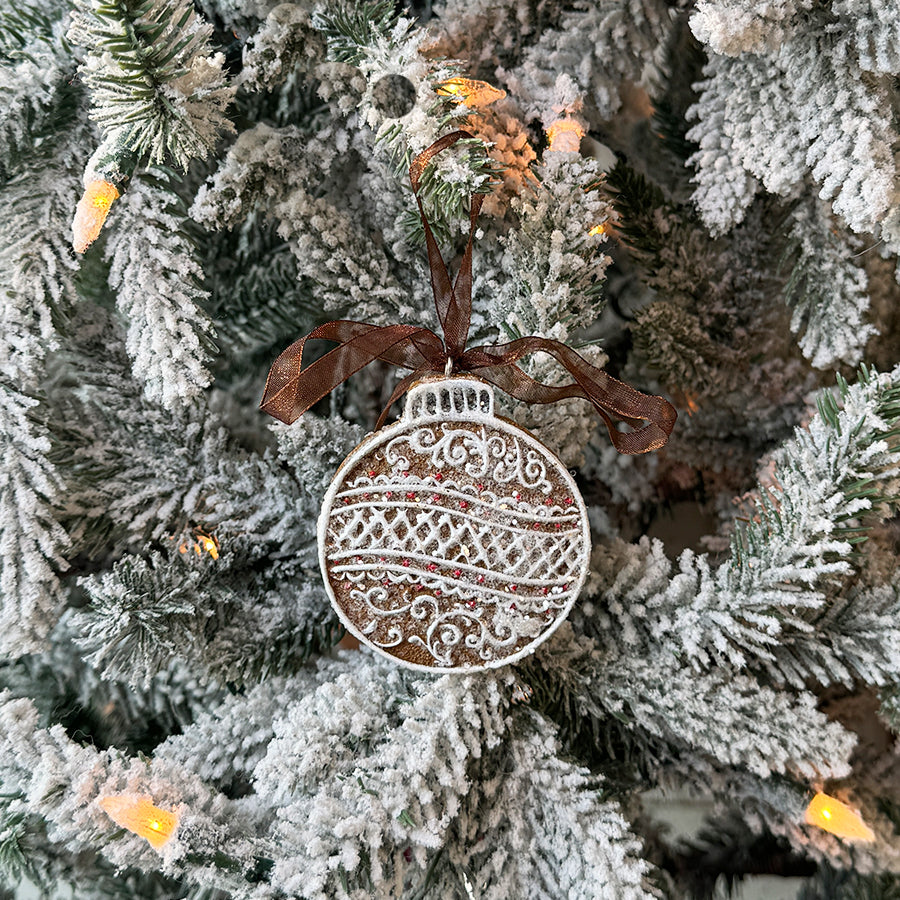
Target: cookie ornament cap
column 454, row 540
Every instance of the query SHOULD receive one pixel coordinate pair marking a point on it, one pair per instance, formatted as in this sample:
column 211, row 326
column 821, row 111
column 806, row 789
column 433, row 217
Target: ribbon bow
column 291, row 389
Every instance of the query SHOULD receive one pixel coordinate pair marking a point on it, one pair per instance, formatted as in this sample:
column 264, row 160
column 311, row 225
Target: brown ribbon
column 291, row 390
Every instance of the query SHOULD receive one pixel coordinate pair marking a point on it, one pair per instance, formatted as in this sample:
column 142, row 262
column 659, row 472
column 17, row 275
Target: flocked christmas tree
column 703, row 197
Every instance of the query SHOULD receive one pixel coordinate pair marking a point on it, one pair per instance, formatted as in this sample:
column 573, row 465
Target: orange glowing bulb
column 597, row 229
column 472, row 93
column 139, row 816
column 211, row 546
column 831, row 815
column 565, row 135
column 91, row 213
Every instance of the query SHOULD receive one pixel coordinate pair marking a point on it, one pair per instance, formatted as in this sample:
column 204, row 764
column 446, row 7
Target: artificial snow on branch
column 788, row 95
column 158, row 90
column 158, row 282
column 784, row 565
column 827, row 290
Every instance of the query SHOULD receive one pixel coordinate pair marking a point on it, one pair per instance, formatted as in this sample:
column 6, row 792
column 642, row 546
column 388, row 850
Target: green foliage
column 866, row 495
column 22, row 24
column 13, row 832
column 639, row 201
column 446, row 202
column 258, row 300
column 143, row 615
column 352, row 27
column 157, row 90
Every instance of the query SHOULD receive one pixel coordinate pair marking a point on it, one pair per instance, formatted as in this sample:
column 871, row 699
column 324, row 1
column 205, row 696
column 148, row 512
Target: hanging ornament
column 829, row 814
column 139, row 816
column 454, row 540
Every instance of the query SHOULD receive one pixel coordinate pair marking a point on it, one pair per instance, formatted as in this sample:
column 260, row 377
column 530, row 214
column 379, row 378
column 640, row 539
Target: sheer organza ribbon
column 292, row 389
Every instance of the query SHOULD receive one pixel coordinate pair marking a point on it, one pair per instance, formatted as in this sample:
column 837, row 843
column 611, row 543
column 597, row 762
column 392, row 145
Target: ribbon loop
column 453, row 302
column 291, row 390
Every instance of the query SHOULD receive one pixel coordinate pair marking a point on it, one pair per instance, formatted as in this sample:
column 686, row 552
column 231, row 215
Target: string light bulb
column 139, row 816
column 835, row 817
column 91, row 213
column 202, row 542
column 597, row 229
column 473, row 93
column 565, row 135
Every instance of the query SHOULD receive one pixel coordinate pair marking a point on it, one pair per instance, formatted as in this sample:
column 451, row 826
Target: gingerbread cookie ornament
column 453, row 540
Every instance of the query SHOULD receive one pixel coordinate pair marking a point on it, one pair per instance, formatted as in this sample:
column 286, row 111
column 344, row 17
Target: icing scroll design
column 461, row 628
column 498, row 457
column 443, row 632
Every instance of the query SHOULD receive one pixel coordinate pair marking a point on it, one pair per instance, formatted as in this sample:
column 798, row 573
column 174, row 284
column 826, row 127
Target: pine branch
column 556, row 844
column 143, row 616
column 158, row 282
column 60, row 782
column 385, row 750
column 687, row 713
column 350, row 28
column 832, row 480
column 554, row 260
column 795, row 104
column 36, row 74
column 826, row 290
column 158, row 90
column 36, row 279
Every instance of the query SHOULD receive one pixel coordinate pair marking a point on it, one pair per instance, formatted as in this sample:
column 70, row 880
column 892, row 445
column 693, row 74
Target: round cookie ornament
column 453, row 540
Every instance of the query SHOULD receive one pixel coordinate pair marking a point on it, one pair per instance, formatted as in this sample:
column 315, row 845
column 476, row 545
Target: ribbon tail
column 291, row 390
column 611, row 398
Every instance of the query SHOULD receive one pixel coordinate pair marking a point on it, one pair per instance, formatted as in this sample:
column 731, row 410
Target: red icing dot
column 548, row 502
column 536, row 526
column 565, row 587
column 456, row 573
column 406, row 474
column 568, row 501
column 388, row 494
column 558, row 525
column 545, row 590
column 437, row 593
column 385, row 584
column 404, row 562
column 366, row 496
column 346, row 499
column 410, row 495
column 463, row 504
column 480, row 487
column 513, row 587
column 481, row 579
column 438, row 475
column 470, row 604
column 512, row 607
column 431, row 567
column 371, row 473
column 517, row 495
column 435, row 497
